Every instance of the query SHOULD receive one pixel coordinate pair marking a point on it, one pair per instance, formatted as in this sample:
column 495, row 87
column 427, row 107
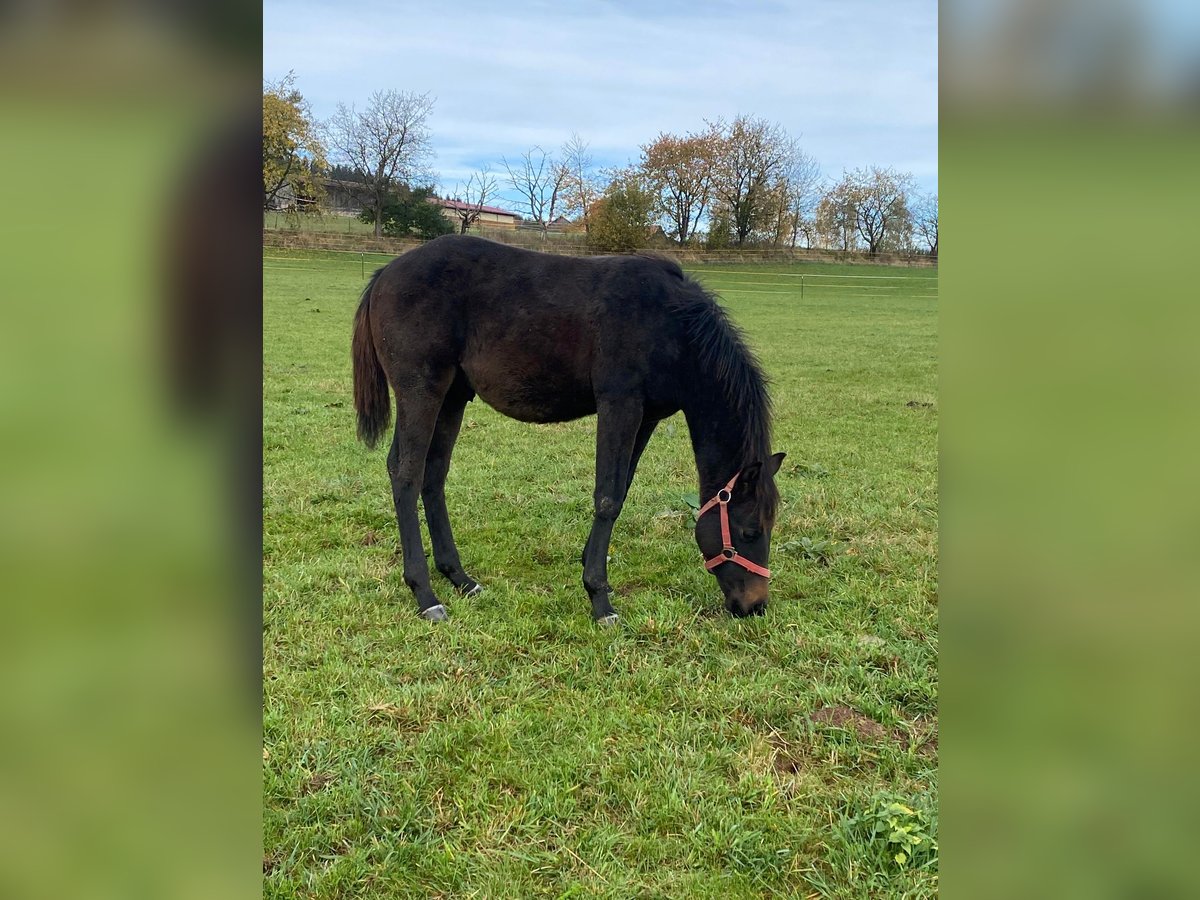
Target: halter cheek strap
column 728, row 553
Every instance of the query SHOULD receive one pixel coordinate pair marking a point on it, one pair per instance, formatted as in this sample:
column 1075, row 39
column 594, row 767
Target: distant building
column 488, row 215
column 285, row 198
column 563, row 224
column 343, row 197
column 559, row 225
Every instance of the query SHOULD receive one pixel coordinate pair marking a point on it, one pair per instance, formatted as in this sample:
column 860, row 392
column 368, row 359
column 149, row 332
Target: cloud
column 857, row 81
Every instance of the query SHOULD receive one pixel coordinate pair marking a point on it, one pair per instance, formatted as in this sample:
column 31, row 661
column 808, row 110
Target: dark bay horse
column 545, row 338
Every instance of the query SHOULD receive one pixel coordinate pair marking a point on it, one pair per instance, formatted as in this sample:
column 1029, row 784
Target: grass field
column 521, row 751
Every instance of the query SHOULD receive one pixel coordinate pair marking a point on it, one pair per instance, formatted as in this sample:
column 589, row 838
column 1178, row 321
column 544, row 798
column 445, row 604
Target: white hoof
column 435, row 614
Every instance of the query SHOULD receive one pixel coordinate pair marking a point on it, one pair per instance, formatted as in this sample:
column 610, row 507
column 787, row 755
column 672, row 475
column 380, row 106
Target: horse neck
column 718, row 435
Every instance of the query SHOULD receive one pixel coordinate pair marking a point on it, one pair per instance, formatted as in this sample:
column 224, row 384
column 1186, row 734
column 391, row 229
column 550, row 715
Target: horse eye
column 748, row 535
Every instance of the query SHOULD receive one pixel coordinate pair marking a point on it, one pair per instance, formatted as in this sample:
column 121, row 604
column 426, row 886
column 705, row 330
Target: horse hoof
column 435, row 614
column 472, row 591
column 608, row 621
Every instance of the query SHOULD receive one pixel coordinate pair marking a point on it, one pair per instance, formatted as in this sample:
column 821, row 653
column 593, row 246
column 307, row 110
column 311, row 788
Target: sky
column 854, row 81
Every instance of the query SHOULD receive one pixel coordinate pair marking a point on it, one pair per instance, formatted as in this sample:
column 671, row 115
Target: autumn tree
column 926, row 222
column 582, row 185
column 788, row 200
column 868, row 207
column 388, row 144
column 775, row 224
column 751, row 155
column 680, row 172
column 836, row 215
column 539, row 178
column 293, row 154
column 473, row 197
column 621, row 219
column 881, row 212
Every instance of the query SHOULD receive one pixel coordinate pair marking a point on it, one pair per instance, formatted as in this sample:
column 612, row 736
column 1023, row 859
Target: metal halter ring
column 728, row 496
column 729, row 553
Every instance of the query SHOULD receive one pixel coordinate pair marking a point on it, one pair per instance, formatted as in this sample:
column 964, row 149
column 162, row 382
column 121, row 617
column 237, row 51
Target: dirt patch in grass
column 786, row 758
column 405, row 719
column 864, row 728
column 924, row 736
column 634, row 586
column 370, row 539
column 921, row 736
column 270, row 862
column 788, row 763
column 314, row 784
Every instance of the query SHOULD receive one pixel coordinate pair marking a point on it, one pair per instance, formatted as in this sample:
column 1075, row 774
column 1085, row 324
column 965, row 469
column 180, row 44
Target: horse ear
column 751, row 472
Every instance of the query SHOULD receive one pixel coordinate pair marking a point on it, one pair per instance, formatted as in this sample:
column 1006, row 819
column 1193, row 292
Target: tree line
column 739, row 183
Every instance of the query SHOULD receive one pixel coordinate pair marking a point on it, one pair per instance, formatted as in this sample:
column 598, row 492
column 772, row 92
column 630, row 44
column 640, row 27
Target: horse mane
column 722, row 350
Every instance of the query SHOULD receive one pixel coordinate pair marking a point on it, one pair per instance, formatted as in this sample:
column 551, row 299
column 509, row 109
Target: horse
column 546, row 338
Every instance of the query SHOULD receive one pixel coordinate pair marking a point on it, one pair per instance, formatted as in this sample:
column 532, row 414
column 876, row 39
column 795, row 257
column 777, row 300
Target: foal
column 545, row 338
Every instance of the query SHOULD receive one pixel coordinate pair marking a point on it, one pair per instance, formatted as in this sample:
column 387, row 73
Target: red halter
column 728, row 554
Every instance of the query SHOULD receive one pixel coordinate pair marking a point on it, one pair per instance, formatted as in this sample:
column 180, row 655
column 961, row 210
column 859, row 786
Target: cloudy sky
column 856, row 81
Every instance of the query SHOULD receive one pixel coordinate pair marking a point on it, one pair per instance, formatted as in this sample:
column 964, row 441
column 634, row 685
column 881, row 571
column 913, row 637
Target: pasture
column 520, row 750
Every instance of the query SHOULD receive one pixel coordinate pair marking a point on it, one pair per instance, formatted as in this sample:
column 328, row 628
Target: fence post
column 362, row 264
column 802, row 286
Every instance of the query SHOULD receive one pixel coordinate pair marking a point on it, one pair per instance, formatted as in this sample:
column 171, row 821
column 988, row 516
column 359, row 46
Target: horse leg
column 416, row 415
column 617, row 426
column 433, row 493
column 639, row 445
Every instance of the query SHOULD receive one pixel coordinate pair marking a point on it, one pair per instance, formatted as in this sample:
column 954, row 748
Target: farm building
column 488, row 215
column 343, row 197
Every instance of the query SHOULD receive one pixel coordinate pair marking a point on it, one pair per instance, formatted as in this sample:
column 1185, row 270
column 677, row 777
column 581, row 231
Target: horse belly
column 530, row 389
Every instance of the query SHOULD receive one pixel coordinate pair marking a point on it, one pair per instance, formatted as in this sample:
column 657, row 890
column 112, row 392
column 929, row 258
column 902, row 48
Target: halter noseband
column 728, row 552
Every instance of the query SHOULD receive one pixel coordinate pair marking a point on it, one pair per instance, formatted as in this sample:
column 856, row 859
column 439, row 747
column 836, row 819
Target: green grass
column 519, row 750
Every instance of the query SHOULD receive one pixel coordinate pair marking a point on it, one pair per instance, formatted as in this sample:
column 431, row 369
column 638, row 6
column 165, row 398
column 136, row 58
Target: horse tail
column 371, row 399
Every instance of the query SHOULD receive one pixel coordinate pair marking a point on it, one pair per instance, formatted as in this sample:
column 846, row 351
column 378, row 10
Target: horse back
column 538, row 336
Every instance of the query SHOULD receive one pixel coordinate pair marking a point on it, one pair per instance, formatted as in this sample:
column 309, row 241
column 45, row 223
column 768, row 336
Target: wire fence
column 359, row 237
column 804, row 285
column 818, row 285
column 343, row 230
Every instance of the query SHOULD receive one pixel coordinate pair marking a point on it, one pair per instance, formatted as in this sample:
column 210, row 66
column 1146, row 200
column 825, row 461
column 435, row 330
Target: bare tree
column 582, row 187
column 473, row 197
column 539, row 179
column 926, row 222
column 752, row 153
column 387, row 143
column 680, row 170
column 881, row 214
column 806, row 228
column 803, row 178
